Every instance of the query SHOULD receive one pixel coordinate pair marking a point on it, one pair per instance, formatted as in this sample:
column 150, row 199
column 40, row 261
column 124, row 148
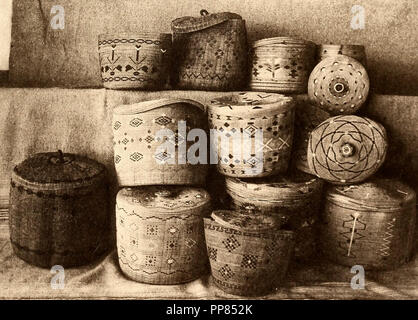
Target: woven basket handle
column 142, row 107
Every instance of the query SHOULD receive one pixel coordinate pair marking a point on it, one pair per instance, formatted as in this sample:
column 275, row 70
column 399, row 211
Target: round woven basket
column 370, row 224
column 58, row 211
column 357, row 52
column 247, row 254
column 253, row 133
column 160, row 236
column 139, row 61
column 282, row 64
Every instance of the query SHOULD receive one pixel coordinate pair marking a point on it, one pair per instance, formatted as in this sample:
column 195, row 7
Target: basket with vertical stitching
column 370, row 224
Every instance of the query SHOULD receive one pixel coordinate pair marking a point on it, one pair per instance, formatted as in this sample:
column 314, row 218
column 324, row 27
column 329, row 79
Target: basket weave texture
column 357, row 52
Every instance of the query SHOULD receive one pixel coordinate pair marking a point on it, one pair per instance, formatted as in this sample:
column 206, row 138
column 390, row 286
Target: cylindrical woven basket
column 357, row 52
column 150, row 142
column 59, row 210
column 211, row 52
column 370, row 224
column 135, row 61
column 282, row 64
column 160, row 237
column 253, row 133
column 247, row 254
column 293, row 200
column 347, row 149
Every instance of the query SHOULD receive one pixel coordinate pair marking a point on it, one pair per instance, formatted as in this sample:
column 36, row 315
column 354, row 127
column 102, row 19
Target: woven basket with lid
column 211, row 52
column 371, row 224
column 160, row 236
column 150, row 143
column 293, row 200
column 260, row 128
column 129, row 61
column 282, row 64
column 58, row 210
column 248, row 255
column 355, row 51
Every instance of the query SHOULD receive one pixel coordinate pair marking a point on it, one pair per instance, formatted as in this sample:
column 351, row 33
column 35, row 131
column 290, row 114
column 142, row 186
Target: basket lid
column 57, row 167
column 282, row 41
column 251, row 104
column 145, row 106
column 244, row 221
column 164, row 199
column 377, row 194
column 206, row 20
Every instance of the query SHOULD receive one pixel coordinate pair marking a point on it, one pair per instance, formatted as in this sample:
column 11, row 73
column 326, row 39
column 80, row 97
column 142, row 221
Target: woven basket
column 347, row 149
column 211, row 52
column 241, row 119
column 160, row 235
column 357, row 52
column 247, row 255
column 293, row 200
column 371, row 224
column 129, row 61
column 58, row 210
column 282, row 64
column 339, row 85
column 141, row 157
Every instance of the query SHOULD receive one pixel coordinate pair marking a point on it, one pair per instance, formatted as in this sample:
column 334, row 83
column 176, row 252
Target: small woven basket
column 160, row 237
column 370, row 224
column 347, row 149
column 58, row 210
column 260, row 129
column 135, row 61
column 150, row 142
column 357, row 52
column 211, row 52
column 282, row 65
column 248, row 256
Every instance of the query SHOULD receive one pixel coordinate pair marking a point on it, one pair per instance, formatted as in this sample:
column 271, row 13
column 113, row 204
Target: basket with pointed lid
column 210, row 52
column 281, row 64
column 370, row 224
column 160, row 236
column 260, row 127
column 54, row 196
column 244, row 249
column 355, row 51
column 150, row 142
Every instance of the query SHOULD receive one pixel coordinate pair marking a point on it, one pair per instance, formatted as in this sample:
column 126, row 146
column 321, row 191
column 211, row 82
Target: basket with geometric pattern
column 355, row 51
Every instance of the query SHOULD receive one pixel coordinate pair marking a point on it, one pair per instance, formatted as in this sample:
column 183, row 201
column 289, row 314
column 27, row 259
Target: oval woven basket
column 357, row 52
column 58, row 211
column 135, row 61
column 211, row 52
column 248, row 256
column 260, row 129
column 160, row 237
column 370, row 224
column 282, row 64
column 150, row 142
column 347, row 149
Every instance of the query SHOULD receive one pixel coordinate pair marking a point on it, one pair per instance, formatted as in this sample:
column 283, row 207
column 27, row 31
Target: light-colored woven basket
column 135, row 61
column 138, row 147
column 347, row 149
column 248, row 256
column 282, row 64
column 211, row 52
column 357, row 52
column 242, row 115
column 160, row 237
column 370, row 224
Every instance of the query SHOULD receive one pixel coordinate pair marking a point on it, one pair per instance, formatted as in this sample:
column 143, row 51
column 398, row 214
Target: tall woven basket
column 292, row 200
column 160, row 237
column 282, row 64
column 59, row 210
column 355, row 51
column 135, row 61
column 150, row 142
column 248, row 256
column 370, row 224
column 253, row 133
column 211, row 52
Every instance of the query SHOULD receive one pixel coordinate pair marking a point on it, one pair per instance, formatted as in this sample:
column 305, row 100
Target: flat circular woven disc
column 339, row 85
column 347, row 149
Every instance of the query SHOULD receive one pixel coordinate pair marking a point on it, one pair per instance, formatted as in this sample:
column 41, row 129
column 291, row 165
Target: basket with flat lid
column 371, row 224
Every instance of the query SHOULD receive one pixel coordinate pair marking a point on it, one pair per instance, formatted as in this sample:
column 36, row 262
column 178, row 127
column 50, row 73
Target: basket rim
column 145, row 106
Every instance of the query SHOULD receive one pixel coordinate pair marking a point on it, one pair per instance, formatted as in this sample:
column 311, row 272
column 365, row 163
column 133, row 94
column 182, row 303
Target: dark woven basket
column 58, row 210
